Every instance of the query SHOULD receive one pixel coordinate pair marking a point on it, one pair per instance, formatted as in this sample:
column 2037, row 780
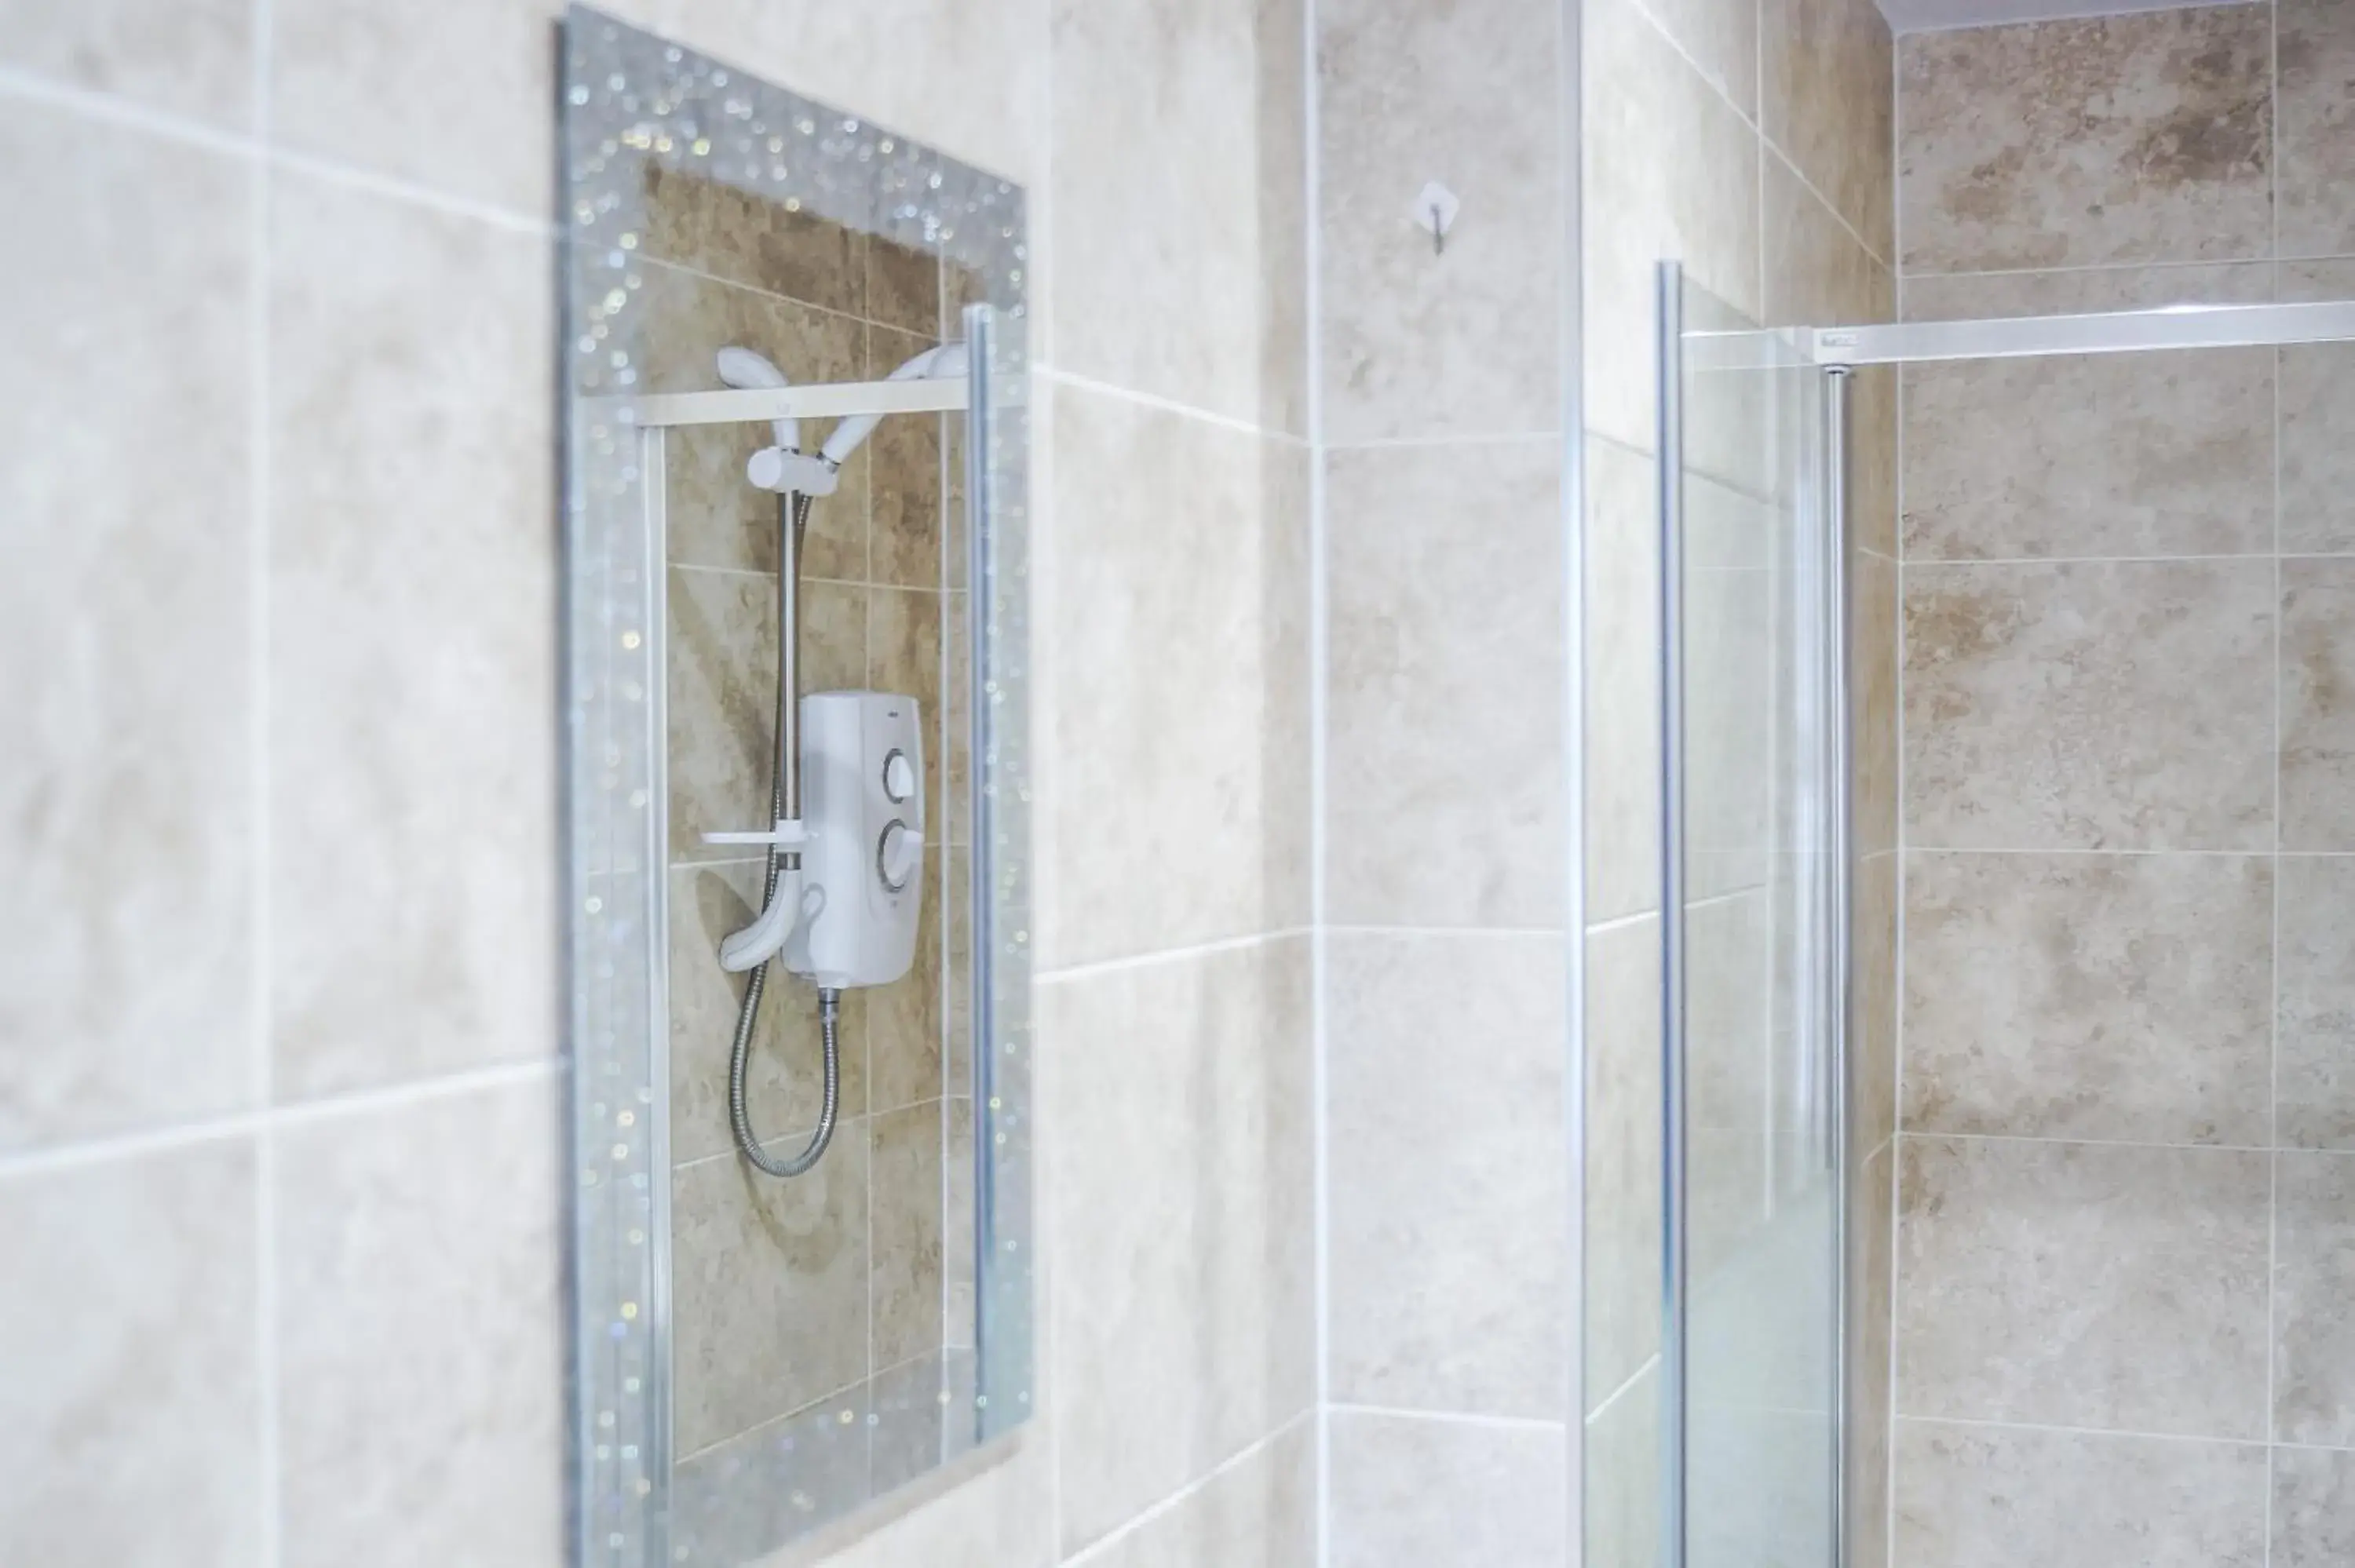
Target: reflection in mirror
column 803, row 1114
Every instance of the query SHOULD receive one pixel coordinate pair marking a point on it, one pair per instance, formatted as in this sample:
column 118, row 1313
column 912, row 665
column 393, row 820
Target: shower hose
column 829, row 1001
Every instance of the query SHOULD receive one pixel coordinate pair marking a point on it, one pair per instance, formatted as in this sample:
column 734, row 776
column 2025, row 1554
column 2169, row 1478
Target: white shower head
column 939, row 363
column 743, row 369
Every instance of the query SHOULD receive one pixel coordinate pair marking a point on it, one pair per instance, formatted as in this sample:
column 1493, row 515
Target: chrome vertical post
column 1669, row 352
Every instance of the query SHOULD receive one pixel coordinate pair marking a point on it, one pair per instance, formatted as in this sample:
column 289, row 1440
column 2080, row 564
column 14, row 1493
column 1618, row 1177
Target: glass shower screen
column 1752, row 856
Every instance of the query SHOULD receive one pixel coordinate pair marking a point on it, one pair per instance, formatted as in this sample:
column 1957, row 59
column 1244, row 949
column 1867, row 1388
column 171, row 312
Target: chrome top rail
column 2110, row 332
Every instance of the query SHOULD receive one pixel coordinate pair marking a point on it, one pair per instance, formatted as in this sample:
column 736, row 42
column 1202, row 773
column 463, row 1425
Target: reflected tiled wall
column 279, row 1074
column 1752, row 144
column 2120, row 1324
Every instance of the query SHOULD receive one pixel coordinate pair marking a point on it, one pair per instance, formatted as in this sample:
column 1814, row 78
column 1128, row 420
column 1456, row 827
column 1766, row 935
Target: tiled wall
column 2122, row 1330
column 278, row 1074
column 1753, row 143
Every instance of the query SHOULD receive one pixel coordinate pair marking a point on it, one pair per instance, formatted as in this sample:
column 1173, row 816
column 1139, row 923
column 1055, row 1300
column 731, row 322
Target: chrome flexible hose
column 783, row 802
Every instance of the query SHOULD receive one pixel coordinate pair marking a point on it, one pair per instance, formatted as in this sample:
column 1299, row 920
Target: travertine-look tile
column 1181, row 259
column 2318, row 704
column 957, row 1267
column 413, row 733
column 1417, row 345
column 905, row 478
column 2315, row 51
column 1439, row 1299
column 1872, row 1243
column 132, row 1435
column 784, row 1073
column 195, row 59
column 422, row 1236
column 2314, row 1300
column 1446, row 1494
column 904, row 1229
column 1826, row 74
column 1875, row 902
column 2130, row 454
column 904, row 1038
column 1672, row 171
column 2314, row 1508
column 1622, row 1289
column 2077, row 142
column 1931, row 297
column 1622, row 632
column 125, row 941
column 2318, row 448
column 722, row 629
column 903, row 288
column 2080, row 1285
column 722, row 231
column 2089, row 706
column 769, row 1283
column 1183, row 1169
column 1177, row 631
column 1874, row 655
column 2314, row 1077
column 903, row 655
column 1817, row 274
column 1722, row 37
column 1988, row 1496
column 2124, row 998
column 1262, row 1513
column 1444, row 645
column 455, row 95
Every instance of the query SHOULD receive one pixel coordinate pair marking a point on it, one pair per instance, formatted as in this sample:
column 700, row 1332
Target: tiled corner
column 1446, row 650
column 1445, row 1180
column 2082, row 1284
column 2090, row 706
column 2125, row 998
column 2113, row 138
column 422, row 1236
column 1828, row 96
column 133, row 1434
column 2314, row 1079
column 413, row 733
column 1446, row 1494
column 125, row 616
column 2315, row 49
column 1816, row 272
column 2314, row 1300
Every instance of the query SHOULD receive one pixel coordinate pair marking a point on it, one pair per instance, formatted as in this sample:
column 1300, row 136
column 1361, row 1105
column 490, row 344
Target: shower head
column 745, row 370
column 941, row 362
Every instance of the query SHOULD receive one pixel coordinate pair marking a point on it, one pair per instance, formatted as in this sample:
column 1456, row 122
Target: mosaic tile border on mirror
column 637, row 108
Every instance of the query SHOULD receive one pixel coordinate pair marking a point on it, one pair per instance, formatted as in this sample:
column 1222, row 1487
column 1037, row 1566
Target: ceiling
column 1915, row 16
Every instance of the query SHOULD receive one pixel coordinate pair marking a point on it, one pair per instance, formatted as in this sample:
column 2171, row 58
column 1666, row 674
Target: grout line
column 854, row 1386
column 1621, row 922
column 1166, row 955
column 1450, row 1418
column 2245, row 556
column 2105, row 1432
column 1648, row 1365
column 1471, row 438
column 270, row 1546
column 2127, row 853
column 147, row 1144
column 1928, row 1134
column 1049, row 374
column 1232, row 1462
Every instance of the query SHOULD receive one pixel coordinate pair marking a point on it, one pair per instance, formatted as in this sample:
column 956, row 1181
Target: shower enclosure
column 1904, row 1283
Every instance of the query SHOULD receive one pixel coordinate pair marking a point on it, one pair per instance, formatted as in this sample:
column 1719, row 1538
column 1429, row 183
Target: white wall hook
column 1435, row 207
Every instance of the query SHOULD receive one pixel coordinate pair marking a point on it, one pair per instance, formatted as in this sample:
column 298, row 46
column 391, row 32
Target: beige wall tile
column 134, row 1435
column 457, row 100
column 2314, row 1077
column 2317, row 718
column 722, row 659
column 1980, row 1496
column 1622, row 1300
column 2078, row 143
column 1262, row 1513
column 904, row 1027
column 714, row 229
column 1873, row 458
column 2081, row 1285
column 1623, row 1477
column 1444, row 653
column 994, row 1518
column 1875, row 896
column 769, row 1285
column 903, row 655
column 1816, row 273
column 126, row 987
column 784, row 1073
column 2318, row 448
column 412, row 666
column 1179, row 149
column 1446, row 1494
column 903, row 290
column 906, row 481
column 2147, row 454
column 1182, row 1169
column 2314, row 1300
column 1872, row 1367
column 1873, row 659
column 957, row 1267
column 2315, row 51
column 1930, row 298
column 1621, row 632
column 734, row 1503
column 1721, row 37
column 1446, row 1186
column 1671, row 171
column 194, row 59
column 1732, row 696
column 2314, row 1508
column 417, row 1248
column 1176, row 632
column 1826, row 75
column 2089, row 706
column 2114, row 997
column 905, row 1215
column 1423, row 344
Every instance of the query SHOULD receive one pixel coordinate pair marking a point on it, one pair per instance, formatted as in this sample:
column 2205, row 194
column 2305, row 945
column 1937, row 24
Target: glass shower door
column 1751, row 601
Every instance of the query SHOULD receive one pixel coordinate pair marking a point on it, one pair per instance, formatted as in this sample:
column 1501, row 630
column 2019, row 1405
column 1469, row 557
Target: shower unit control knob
column 863, row 815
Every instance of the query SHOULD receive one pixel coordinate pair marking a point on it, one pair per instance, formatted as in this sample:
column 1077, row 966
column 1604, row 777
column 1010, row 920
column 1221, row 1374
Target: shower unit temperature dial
column 862, row 869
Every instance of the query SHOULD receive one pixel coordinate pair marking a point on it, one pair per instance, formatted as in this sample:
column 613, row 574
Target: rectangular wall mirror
column 795, row 499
